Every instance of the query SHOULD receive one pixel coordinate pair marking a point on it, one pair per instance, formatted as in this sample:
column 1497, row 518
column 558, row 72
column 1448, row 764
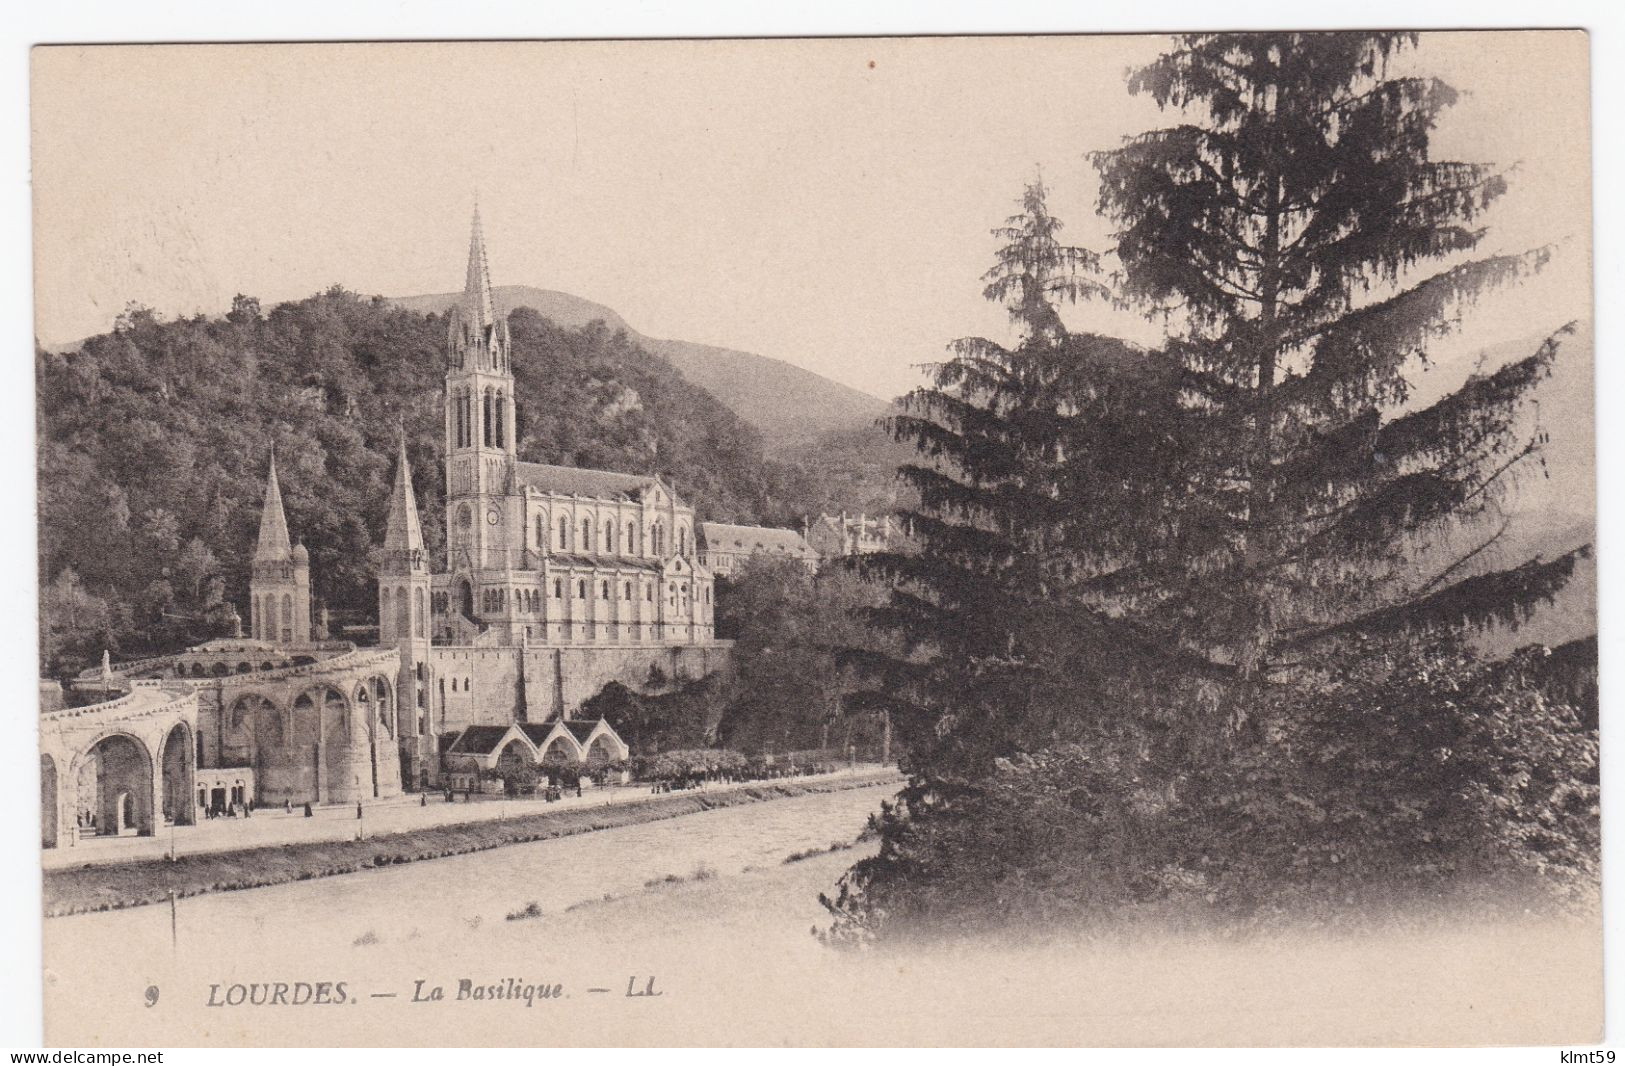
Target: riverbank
column 112, row 886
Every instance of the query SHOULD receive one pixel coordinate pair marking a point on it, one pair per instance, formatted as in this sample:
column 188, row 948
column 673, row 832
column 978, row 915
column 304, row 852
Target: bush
column 1435, row 777
column 689, row 765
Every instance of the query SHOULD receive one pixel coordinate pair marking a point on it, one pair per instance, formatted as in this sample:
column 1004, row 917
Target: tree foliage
column 153, row 442
column 787, row 684
column 1176, row 622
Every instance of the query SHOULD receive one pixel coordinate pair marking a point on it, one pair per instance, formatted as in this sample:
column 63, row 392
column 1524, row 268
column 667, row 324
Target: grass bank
column 133, row 884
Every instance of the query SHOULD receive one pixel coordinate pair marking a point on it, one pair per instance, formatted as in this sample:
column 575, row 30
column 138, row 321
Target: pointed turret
column 476, row 335
column 279, row 579
column 274, row 546
column 479, row 309
column 403, row 533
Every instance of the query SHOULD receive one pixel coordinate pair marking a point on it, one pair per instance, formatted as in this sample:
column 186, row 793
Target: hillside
column 153, row 441
column 791, row 407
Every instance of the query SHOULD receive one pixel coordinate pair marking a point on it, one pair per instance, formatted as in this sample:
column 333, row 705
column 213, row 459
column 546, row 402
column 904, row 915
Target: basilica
column 555, row 581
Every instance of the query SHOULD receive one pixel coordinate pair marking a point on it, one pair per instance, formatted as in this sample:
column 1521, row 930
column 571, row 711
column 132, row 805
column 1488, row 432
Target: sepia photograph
column 1070, row 540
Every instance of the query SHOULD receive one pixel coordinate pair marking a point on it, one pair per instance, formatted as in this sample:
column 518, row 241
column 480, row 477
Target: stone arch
column 113, row 783
column 175, row 771
column 198, row 671
column 48, row 801
column 515, row 753
column 602, row 750
column 220, row 670
column 300, row 771
column 465, row 598
column 339, row 741
column 243, row 668
column 253, row 729
column 560, row 750
column 372, row 697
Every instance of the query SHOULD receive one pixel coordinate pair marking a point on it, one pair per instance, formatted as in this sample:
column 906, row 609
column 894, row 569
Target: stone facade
column 725, row 548
column 556, row 581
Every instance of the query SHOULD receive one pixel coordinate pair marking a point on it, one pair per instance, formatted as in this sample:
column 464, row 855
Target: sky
column 823, row 202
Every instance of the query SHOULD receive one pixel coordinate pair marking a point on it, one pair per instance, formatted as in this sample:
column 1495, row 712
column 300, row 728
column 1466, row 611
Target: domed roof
column 300, row 553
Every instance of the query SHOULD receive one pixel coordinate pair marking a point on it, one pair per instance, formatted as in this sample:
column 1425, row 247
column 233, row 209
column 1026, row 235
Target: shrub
column 1430, row 777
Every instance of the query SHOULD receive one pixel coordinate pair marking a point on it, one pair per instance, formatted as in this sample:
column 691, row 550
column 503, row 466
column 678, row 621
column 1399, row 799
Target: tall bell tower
column 482, row 507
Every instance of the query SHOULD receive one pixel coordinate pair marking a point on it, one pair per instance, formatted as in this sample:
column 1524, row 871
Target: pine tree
column 1145, row 577
column 974, row 598
column 1307, row 250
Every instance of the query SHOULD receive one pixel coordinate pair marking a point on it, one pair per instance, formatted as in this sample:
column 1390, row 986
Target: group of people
column 232, row 809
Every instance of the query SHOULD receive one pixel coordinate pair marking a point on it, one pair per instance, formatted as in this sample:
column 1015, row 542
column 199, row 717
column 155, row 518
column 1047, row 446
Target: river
column 722, row 953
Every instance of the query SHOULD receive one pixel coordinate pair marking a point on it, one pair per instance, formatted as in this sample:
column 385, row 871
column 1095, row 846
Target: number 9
column 152, row 995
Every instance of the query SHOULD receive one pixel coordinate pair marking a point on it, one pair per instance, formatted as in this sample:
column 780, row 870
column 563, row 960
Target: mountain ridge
column 791, row 406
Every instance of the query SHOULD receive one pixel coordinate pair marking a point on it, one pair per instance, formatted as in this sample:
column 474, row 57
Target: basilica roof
column 575, row 481
column 607, row 561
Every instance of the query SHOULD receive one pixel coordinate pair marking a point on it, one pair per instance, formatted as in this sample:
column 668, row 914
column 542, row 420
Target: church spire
column 273, row 545
column 403, row 533
column 479, row 308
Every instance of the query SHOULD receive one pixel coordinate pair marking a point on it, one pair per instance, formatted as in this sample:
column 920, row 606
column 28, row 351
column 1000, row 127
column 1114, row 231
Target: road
column 273, row 825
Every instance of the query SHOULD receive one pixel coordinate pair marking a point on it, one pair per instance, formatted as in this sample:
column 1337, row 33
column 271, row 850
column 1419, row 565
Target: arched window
column 486, row 423
column 603, row 591
column 648, row 593
column 383, row 613
column 632, row 540
column 564, row 533
column 609, row 537
column 498, row 404
column 287, row 611
column 541, row 532
column 558, row 588
column 581, row 590
column 657, row 534
column 627, row 592
column 682, row 540
column 586, row 534
column 417, row 613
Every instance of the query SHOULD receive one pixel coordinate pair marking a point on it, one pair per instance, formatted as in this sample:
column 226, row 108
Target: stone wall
column 496, row 686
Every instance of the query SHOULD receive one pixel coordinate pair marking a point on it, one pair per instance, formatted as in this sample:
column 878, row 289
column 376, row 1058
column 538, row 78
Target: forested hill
column 153, row 441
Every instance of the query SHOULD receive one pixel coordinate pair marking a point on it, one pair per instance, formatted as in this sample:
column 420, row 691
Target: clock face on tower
column 493, row 516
